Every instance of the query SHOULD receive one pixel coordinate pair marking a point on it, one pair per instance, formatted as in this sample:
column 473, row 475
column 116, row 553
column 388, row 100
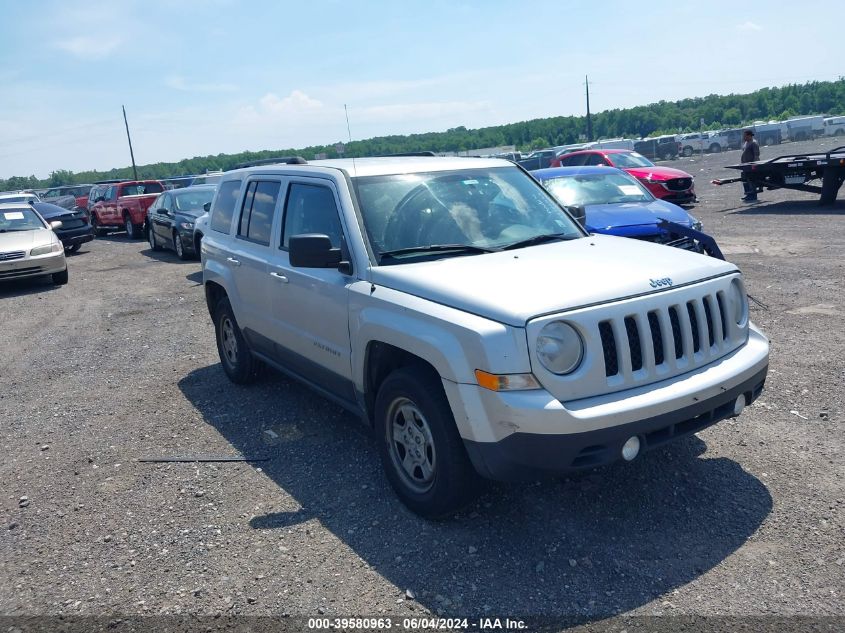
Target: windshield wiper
column 540, row 239
column 434, row 248
column 15, row 230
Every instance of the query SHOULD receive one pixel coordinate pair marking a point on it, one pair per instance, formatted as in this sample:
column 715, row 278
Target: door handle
column 233, row 261
column 280, row 277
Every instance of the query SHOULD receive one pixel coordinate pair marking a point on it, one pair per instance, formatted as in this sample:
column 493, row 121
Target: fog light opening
column 739, row 405
column 631, row 448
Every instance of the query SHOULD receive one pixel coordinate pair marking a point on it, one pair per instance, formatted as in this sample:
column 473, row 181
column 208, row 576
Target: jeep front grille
column 647, row 341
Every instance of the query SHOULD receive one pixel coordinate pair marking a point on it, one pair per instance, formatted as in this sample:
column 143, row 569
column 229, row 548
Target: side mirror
column 207, row 207
column 578, row 212
column 56, row 224
column 100, row 199
column 313, row 250
column 162, row 211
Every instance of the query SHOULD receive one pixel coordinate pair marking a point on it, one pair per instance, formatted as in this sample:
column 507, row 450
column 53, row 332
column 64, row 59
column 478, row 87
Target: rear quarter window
column 223, row 207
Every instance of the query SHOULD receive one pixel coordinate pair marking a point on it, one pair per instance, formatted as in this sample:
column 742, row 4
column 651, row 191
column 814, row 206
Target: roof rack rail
column 278, row 160
column 427, row 153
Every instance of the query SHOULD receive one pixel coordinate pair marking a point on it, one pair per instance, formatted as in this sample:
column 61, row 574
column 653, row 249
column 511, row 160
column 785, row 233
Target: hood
column 657, row 173
column 513, row 287
column 25, row 240
column 603, row 217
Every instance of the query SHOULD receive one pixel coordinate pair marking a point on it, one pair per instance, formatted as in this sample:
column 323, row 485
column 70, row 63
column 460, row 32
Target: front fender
column 454, row 342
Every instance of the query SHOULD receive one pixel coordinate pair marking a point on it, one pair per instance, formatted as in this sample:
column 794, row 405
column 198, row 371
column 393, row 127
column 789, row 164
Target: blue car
column 615, row 203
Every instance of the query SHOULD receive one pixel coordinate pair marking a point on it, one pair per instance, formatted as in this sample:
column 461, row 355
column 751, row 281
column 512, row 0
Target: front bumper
column 520, row 435
column 33, row 266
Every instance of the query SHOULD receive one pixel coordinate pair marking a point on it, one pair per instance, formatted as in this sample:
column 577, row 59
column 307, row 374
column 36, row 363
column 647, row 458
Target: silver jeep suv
column 466, row 317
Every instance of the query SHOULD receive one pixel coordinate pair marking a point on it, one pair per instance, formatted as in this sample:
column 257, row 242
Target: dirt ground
column 121, row 365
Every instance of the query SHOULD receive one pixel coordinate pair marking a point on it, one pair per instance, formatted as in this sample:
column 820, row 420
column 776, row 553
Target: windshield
column 191, row 201
column 629, row 160
column 478, row 208
column 22, row 219
column 606, row 188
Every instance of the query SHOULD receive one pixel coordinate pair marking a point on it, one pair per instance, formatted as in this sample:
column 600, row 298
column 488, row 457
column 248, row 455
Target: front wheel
column 235, row 355
column 422, row 453
column 60, row 279
column 688, row 151
column 179, row 246
column 95, row 224
column 715, row 148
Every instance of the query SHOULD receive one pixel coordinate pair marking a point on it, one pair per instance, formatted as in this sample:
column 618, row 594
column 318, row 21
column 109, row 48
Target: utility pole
column 131, row 153
column 589, row 121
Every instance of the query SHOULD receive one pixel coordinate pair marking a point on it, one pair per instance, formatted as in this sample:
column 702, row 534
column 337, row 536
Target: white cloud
column 271, row 108
column 748, row 25
column 89, row 47
column 178, row 82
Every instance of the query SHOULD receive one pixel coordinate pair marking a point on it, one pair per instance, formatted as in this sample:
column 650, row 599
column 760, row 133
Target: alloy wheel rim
column 411, row 445
column 228, row 340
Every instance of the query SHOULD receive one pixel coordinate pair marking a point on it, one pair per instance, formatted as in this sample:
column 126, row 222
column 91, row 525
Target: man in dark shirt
column 750, row 154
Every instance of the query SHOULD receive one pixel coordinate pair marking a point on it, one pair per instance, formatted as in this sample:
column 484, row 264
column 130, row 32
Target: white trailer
column 834, row 126
column 804, row 128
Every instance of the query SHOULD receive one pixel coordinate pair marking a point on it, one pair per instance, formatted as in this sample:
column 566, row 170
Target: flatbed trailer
column 796, row 171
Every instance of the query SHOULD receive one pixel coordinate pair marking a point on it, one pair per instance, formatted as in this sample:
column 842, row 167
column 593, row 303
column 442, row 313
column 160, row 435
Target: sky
column 200, row 77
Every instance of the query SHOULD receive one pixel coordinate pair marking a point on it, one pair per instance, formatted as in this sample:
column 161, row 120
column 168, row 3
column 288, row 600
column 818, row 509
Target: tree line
column 664, row 117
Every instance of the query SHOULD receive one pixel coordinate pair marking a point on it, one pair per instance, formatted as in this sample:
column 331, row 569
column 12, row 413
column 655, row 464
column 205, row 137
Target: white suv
column 470, row 321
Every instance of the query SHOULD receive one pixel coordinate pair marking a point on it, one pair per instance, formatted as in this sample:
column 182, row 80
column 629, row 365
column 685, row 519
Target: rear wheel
column 715, row 148
column 235, row 355
column 72, row 248
column 688, row 151
column 422, row 453
column 151, row 238
column 132, row 229
column 839, row 132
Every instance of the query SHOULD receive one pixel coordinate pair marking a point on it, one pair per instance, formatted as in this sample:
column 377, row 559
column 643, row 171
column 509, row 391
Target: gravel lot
column 120, row 365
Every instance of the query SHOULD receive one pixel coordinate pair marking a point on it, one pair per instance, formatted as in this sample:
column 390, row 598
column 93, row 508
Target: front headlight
column 43, row 250
column 560, row 348
column 186, row 225
column 738, row 302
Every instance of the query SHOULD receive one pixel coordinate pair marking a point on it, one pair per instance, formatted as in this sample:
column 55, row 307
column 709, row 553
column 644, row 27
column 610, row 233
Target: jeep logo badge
column 657, row 283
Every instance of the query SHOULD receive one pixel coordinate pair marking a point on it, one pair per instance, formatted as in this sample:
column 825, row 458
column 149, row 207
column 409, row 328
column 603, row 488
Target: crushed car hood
column 603, row 217
column 515, row 286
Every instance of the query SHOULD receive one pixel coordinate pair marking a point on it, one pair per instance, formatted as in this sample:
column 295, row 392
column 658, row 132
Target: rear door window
column 223, row 207
column 258, row 211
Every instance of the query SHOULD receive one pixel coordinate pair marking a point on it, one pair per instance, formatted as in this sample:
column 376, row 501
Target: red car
column 665, row 183
column 124, row 204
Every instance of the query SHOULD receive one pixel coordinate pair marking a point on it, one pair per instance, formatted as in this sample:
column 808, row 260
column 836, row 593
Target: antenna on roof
column 349, row 132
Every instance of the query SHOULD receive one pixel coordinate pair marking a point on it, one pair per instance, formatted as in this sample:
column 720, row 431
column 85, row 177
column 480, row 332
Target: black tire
column 60, row 279
column 132, row 230
column 839, row 132
column 715, row 148
column 179, row 246
column 95, row 224
column 417, row 393
column 151, row 238
column 688, row 151
column 235, row 355
column 72, row 248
